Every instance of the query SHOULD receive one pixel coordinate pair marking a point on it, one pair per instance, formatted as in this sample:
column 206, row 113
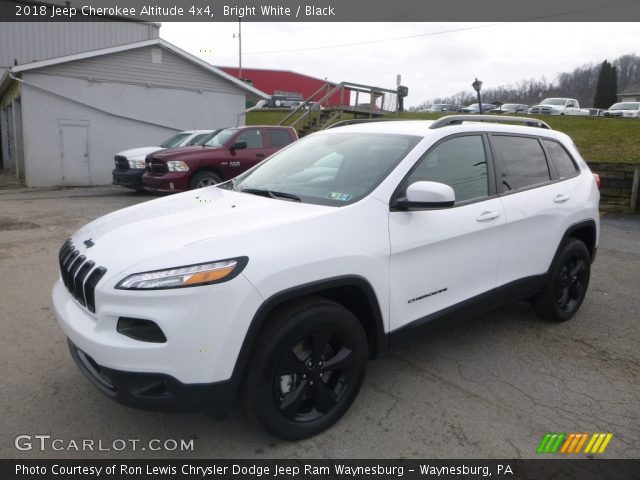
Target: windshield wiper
column 271, row 194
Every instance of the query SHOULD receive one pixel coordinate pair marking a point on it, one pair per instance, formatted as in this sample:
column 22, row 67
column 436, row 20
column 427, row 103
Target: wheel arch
column 585, row 231
column 352, row 292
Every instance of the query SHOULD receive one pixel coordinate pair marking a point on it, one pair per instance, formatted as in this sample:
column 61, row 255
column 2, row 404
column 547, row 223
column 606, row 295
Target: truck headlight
column 186, row 276
column 177, row 166
column 136, row 163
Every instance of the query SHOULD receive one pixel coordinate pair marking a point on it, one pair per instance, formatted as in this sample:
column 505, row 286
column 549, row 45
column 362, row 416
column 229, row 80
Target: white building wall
column 117, row 116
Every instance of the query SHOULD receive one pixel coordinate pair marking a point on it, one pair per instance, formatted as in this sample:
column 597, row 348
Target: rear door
column 536, row 204
column 277, row 139
column 443, row 257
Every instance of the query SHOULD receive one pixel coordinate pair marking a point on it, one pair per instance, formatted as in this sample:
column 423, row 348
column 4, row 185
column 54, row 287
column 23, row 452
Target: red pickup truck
column 225, row 155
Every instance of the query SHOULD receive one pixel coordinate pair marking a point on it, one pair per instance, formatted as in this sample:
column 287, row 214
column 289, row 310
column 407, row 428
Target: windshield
column 329, row 169
column 174, row 141
column 625, row 106
column 218, row 139
column 553, row 101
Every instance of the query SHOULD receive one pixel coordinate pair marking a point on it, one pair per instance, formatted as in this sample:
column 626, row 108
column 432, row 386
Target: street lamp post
column 477, row 85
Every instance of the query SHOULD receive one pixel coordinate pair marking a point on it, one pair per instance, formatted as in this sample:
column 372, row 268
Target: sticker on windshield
column 343, row 197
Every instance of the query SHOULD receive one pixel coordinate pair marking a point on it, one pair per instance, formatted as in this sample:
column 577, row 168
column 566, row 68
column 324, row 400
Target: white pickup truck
column 559, row 106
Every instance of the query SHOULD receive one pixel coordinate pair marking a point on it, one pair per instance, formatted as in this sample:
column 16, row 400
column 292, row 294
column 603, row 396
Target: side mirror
column 238, row 146
column 423, row 195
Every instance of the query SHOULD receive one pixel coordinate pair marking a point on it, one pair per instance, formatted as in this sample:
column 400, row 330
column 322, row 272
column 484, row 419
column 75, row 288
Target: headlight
column 187, row 276
column 177, row 166
column 136, row 163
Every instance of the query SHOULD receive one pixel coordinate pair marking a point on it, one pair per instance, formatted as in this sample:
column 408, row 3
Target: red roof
column 270, row 81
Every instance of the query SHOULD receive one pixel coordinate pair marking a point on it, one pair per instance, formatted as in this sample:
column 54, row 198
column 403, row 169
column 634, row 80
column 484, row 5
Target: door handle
column 261, row 155
column 561, row 198
column 485, row 216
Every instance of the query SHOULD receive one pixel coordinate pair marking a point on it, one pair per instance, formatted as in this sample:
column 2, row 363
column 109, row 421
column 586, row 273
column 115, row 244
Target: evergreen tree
column 607, row 86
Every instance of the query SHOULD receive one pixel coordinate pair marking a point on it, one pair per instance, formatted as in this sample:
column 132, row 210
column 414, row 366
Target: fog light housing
column 142, row 330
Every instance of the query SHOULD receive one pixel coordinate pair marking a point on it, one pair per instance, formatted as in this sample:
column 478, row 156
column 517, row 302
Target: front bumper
column 154, row 391
column 171, row 182
column 132, row 178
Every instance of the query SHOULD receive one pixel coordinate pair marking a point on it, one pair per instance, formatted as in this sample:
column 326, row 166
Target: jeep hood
column 162, row 231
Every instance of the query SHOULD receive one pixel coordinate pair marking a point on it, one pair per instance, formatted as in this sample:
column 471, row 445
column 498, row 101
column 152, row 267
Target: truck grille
column 122, row 164
column 154, row 165
column 79, row 275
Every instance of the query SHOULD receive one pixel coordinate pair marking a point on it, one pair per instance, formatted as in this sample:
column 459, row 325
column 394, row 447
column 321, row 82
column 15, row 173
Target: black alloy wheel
column 567, row 282
column 307, row 369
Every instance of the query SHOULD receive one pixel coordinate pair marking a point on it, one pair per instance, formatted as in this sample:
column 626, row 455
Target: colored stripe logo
column 574, row 443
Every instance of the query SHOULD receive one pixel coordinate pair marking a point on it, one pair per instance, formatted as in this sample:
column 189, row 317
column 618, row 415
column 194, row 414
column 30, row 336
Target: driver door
column 441, row 258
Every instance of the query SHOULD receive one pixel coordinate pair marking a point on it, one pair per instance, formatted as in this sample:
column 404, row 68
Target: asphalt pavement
column 491, row 387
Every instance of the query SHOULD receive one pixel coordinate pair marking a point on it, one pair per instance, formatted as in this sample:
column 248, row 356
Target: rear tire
column 204, row 179
column 566, row 284
column 307, row 369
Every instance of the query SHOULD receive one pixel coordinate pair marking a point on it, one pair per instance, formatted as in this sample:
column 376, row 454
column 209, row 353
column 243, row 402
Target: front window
column 553, row 101
column 218, row 139
column 459, row 162
column 329, row 169
column 174, row 141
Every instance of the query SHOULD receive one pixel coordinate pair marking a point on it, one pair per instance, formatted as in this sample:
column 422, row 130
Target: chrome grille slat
column 79, row 275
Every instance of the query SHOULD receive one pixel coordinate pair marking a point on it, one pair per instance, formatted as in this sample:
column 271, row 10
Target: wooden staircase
column 316, row 113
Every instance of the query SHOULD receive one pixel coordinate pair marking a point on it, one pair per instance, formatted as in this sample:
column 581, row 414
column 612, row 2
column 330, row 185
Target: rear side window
column 279, row 138
column 459, row 162
column 252, row 137
column 520, row 162
column 560, row 159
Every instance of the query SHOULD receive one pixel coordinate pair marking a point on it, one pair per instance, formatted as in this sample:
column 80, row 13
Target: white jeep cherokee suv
column 287, row 279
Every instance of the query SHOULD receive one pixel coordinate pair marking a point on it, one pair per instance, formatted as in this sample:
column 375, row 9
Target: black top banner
column 321, row 10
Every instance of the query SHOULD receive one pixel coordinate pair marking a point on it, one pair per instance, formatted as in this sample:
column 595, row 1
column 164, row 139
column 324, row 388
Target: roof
column 246, row 70
column 157, row 42
column 422, row 128
column 633, row 89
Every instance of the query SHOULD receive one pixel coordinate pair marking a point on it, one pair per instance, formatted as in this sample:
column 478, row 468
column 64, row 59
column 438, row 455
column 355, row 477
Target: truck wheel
column 204, row 179
column 567, row 282
column 308, row 368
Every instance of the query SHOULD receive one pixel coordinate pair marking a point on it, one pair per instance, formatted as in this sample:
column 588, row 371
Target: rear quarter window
column 279, row 138
column 560, row 159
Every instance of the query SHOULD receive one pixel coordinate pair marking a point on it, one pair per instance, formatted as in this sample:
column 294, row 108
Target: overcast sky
column 434, row 59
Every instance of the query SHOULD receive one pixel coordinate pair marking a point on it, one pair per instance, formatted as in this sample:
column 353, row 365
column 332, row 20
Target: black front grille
column 154, row 165
column 122, row 164
column 79, row 275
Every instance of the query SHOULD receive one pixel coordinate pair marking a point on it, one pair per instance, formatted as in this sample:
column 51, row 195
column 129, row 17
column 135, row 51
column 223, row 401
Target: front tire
column 567, row 283
column 308, row 368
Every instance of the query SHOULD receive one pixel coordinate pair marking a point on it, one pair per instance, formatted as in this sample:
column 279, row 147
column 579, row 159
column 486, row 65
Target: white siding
column 153, row 66
column 118, row 116
column 31, row 41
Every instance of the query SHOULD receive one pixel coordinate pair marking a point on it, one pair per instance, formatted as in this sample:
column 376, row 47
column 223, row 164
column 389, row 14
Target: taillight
column 597, row 177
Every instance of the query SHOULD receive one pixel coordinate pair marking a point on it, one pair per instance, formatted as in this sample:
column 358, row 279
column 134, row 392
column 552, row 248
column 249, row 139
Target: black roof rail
column 458, row 119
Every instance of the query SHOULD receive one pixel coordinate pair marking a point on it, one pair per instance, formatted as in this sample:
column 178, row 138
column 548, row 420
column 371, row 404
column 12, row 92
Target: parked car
column 284, row 281
column 512, row 108
column 475, row 108
column 559, row 106
column 623, row 109
column 443, row 107
column 220, row 157
column 130, row 163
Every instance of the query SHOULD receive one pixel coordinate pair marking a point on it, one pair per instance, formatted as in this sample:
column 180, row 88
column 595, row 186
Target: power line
column 382, row 40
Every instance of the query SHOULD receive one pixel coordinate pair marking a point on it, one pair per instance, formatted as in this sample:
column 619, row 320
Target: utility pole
column 239, row 47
